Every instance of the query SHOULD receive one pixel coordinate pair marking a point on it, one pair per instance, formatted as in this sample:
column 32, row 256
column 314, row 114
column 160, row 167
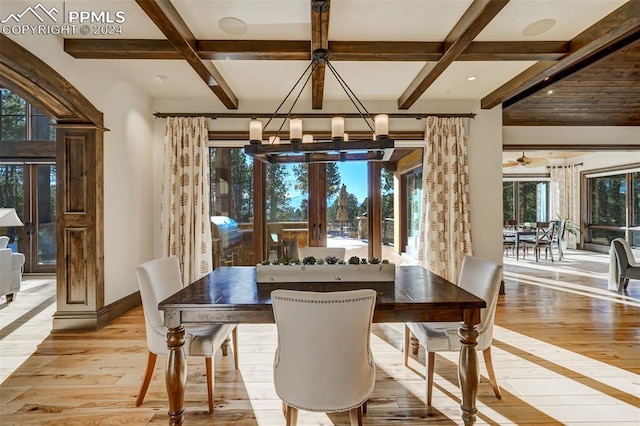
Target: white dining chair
column 158, row 279
column 323, row 361
column 482, row 278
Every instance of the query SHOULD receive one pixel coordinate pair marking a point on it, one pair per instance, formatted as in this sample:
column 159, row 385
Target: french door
column 31, row 190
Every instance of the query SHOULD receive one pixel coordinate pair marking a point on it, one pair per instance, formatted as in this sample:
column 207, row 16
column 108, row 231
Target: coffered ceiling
column 548, row 62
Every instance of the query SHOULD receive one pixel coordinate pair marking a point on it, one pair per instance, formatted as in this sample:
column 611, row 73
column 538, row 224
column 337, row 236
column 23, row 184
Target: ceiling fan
column 526, row 162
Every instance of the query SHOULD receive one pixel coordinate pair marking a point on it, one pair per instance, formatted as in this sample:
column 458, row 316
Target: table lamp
column 9, row 217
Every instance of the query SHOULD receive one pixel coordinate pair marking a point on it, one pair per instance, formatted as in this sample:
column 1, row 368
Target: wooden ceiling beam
column 620, row 27
column 296, row 50
column 474, row 20
column 319, row 40
column 169, row 21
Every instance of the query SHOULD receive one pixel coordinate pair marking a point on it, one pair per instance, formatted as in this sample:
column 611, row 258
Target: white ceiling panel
column 162, row 78
column 265, row 19
column 454, row 83
column 399, row 20
column 571, row 16
column 255, row 79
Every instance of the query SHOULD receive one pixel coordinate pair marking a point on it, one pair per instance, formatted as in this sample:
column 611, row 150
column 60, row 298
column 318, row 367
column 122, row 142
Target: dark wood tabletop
column 232, row 295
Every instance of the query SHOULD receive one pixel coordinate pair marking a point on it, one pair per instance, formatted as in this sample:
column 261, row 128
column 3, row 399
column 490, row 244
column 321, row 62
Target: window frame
column 628, row 228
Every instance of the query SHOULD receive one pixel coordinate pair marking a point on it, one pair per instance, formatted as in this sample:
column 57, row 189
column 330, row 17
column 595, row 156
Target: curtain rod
column 215, row 115
column 565, row 167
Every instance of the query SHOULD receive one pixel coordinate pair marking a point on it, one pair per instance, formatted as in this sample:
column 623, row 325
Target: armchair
column 10, row 272
column 625, row 266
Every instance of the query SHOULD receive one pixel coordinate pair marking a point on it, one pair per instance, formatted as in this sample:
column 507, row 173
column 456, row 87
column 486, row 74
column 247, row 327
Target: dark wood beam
column 296, row 50
column 10, row 150
column 619, row 28
column 169, row 21
column 319, row 40
column 474, row 20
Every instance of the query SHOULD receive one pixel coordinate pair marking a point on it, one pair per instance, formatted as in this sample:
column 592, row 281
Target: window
column 21, row 121
column 614, row 208
column 525, row 201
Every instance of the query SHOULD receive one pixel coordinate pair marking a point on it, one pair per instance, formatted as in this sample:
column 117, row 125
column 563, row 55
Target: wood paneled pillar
column 260, row 233
column 80, row 227
column 317, row 227
column 374, row 208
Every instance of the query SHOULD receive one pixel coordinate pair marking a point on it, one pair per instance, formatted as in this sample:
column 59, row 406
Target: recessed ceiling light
column 160, row 78
column 471, row 78
column 233, row 26
column 549, row 92
column 538, row 27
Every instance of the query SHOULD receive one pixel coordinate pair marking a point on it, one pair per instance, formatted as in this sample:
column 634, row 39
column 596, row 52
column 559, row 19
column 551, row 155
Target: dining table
column 517, row 234
column 231, row 295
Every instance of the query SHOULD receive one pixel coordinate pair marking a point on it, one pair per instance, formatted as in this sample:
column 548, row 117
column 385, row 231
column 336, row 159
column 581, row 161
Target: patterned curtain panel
column 185, row 222
column 564, row 198
column 445, row 228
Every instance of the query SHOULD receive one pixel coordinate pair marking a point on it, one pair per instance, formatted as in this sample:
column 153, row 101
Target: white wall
column 128, row 164
column 485, row 182
column 571, row 135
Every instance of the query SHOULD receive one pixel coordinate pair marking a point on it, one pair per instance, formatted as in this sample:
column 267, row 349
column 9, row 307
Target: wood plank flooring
column 566, row 351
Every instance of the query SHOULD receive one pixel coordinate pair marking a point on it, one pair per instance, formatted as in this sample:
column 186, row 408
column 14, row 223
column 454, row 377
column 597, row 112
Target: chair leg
column 431, row 364
column 234, row 335
column 492, row 375
column 209, row 369
column 355, row 416
column 151, row 364
column 292, row 416
column 621, row 285
column 407, row 338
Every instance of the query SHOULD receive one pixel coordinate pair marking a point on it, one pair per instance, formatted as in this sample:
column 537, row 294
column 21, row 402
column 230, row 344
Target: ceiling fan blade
column 536, row 162
column 510, row 164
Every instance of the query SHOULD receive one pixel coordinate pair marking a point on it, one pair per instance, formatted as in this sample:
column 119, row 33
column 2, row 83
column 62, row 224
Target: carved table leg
column 225, row 346
column 468, row 372
column 415, row 345
column 176, row 374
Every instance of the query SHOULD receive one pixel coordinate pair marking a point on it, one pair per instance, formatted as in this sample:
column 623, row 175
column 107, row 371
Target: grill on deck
column 228, row 240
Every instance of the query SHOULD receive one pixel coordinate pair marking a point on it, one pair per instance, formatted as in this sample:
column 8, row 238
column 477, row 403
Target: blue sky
column 353, row 174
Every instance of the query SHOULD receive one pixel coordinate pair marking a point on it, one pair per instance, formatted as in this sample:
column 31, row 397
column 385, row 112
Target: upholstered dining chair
column 509, row 241
column 323, row 361
column 626, row 266
column 482, row 278
column 157, row 280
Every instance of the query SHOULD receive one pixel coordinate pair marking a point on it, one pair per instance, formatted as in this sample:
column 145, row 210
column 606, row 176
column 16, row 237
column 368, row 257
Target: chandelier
column 302, row 147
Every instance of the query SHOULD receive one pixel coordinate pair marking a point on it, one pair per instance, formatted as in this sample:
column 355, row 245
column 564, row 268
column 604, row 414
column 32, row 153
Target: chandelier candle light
column 302, row 147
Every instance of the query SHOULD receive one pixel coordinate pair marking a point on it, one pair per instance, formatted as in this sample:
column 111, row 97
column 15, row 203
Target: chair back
column 482, row 277
column 4, row 241
column 323, row 361
column 511, row 225
column 322, row 252
column 622, row 250
column 545, row 232
column 157, row 280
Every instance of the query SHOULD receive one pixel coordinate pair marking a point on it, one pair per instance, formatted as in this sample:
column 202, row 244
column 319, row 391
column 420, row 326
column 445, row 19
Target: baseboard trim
column 88, row 320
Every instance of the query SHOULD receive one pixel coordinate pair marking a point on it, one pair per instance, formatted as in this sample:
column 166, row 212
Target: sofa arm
column 17, row 261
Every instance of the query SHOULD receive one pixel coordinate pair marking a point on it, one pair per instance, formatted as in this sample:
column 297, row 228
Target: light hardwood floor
column 566, row 351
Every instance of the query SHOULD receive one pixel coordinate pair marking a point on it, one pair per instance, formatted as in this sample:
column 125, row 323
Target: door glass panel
column 46, row 208
column 12, row 195
column 414, row 209
column 231, row 207
column 287, row 209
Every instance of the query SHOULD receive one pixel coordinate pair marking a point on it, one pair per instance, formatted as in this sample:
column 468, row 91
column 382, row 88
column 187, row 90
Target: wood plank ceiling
column 595, row 77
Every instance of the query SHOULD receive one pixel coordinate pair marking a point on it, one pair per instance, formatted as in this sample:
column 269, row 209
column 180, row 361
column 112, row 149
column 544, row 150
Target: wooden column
column 374, row 208
column 317, row 179
column 80, row 227
column 260, row 236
